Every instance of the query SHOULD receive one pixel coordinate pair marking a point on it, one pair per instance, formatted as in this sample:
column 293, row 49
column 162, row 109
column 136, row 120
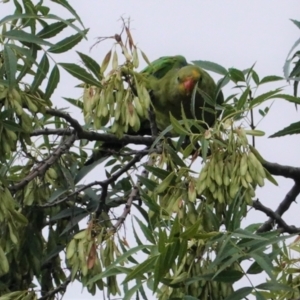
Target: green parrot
column 174, row 90
column 171, row 81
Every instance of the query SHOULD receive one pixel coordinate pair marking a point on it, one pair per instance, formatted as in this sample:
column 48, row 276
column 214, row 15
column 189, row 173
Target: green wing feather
column 161, row 66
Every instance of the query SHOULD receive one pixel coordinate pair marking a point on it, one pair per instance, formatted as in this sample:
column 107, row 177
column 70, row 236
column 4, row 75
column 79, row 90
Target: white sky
column 232, row 33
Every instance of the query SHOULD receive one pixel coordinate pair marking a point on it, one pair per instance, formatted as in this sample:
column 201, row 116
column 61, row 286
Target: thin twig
column 72, row 194
column 60, row 288
column 45, row 165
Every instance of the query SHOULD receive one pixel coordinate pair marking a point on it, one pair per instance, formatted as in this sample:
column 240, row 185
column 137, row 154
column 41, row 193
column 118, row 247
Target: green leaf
column 259, row 296
column 67, row 43
column 52, row 82
column 11, row 125
column 264, row 261
column 297, row 23
column 229, row 276
column 270, row 79
column 41, row 73
column 80, row 74
column 66, row 5
column 145, row 267
column 90, row 64
column 158, row 172
column 149, row 184
column 236, row 75
column 264, row 97
column 286, row 67
column 177, row 126
column 243, row 99
column 75, row 102
column 146, row 231
column 10, row 63
column 210, row 66
column 190, row 232
column 293, row 128
column 53, row 29
column 119, row 260
column 255, row 77
column 21, row 35
column 240, row 293
column 129, row 294
column 273, row 286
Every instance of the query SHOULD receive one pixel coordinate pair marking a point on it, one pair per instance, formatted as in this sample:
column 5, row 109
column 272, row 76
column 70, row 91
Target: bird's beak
column 189, row 85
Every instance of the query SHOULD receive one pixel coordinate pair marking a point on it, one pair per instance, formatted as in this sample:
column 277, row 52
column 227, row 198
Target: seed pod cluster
column 225, row 175
column 83, row 256
column 123, row 99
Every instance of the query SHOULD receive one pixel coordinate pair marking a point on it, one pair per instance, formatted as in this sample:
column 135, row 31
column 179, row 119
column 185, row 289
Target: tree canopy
column 185, row 194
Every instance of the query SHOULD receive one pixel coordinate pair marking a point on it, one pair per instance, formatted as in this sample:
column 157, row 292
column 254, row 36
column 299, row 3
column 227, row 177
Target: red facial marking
column 189, row 85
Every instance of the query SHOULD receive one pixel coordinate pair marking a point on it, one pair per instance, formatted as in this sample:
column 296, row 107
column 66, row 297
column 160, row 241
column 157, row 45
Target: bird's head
column 187, row 78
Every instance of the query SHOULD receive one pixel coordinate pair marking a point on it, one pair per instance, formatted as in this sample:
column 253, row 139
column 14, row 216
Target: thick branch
column 283, row 206
column 94, row 136
column 45, row 165
column 50, row 131
column 280, row 170
column 275, row 216
column 73, row 122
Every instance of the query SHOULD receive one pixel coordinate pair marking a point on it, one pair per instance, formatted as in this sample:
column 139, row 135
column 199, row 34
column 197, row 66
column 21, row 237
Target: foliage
column 190, row 219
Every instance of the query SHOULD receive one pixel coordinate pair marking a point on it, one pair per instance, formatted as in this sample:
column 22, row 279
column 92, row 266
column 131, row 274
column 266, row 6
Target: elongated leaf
column 160, row 173
column 120, row 259
column 145, row 267
column 240, row 293
column 229, row 276
column 236, row 75
column 273, row 286
column 53, row 29
column 129, row 294
column 53, row 82
column 271, row 78
column 286, row 67
column 21, row 35
column 90, row 64
column 41, row 73
column 28, row 62
column 11, row 125
column 210, row 66
column 74, row 102
column 265, row 262
column 264, row 97
column 243, row 99
column 66, row 5
column 10, row 63
column 293, row 128
column 80, row 73
column 297, row 23
column 146, row 231
column 67, row 43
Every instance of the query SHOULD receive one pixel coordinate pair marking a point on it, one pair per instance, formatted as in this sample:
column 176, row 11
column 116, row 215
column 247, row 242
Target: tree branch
column 45, row 165
column 275, row 216
column 60, row 288
column 281, row 170
column 73, row 122
column 72, row 194
column 113, row 178
column 283, row 207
